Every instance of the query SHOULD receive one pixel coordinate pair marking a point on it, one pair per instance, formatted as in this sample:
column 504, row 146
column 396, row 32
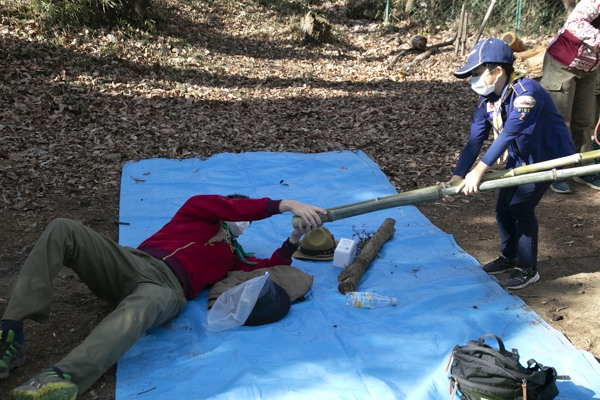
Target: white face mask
column 478, row 85
column 238, row 228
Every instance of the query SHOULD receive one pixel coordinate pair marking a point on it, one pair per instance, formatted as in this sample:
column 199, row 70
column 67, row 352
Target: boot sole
column 499, row 271
column 52, row 391
column 569, row 191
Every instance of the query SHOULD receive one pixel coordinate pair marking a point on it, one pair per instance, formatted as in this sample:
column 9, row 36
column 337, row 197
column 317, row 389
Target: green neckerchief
column 237, row 248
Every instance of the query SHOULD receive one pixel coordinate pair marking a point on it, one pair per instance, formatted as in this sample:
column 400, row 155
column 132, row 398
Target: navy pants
column 517, row 224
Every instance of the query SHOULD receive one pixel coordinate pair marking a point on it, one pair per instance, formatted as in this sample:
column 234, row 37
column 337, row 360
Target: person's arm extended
column 480, row 130
column 281, row 256
column 472, row 179
column 471, row 182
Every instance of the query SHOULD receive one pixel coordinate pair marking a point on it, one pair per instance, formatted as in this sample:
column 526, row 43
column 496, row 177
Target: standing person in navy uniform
column 527, row 129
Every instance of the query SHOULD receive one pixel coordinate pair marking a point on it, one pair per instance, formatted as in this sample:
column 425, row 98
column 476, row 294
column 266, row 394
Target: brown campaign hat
column 317, row 245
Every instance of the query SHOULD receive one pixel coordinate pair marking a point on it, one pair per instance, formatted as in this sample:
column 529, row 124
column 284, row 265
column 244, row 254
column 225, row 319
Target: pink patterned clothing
column 577, row 44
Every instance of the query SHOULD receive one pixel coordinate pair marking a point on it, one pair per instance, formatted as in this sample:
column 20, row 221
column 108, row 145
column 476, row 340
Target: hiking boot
column 519, row 278
column 49, row 384
column 499, row 265
column 11, row 352
column 592, row 181
column 561, row 187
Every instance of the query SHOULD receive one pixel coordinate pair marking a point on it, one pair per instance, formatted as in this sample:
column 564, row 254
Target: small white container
column 343, row 253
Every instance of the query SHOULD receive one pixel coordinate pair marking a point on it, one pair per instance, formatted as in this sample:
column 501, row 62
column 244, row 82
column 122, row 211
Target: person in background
column 528, row 129
column 149, row 285
column 569, row 74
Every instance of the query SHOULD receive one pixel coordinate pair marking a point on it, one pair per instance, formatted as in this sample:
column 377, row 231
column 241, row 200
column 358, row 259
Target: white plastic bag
column 233, row 307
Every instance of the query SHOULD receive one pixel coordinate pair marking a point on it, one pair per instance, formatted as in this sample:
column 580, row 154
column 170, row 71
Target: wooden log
column 350, row 276
column 423, row 56
column 418, row 42
column 513, row 41
column 524, row 55
column 459, row 30
column 463, row 41
column 537, row 61
column 315, row 28
column 396, row 58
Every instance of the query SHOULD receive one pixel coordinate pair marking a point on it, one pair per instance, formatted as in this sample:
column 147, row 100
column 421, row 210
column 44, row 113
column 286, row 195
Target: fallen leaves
column 74, row 107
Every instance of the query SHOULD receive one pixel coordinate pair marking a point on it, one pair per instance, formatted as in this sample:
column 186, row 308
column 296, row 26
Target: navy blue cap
column 273, row 303
column 489, row 50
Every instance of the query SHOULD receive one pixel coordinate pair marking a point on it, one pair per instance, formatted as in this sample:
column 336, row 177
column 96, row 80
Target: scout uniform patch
column 524, row 104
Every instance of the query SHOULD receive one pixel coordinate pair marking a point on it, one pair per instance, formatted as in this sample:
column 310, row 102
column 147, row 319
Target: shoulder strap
column 501, row 348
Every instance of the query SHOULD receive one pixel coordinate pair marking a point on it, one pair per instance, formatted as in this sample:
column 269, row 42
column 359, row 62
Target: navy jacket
column 533, row 131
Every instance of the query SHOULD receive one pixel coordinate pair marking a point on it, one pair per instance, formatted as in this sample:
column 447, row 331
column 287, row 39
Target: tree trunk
column 350, row 276
column 315, row 28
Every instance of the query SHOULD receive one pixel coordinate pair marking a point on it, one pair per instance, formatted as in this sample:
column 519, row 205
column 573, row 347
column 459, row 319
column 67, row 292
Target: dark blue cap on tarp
column 490, row 50
column 273, row 303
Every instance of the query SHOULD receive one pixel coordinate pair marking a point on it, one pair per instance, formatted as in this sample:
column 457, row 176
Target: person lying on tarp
column 150, row 285
column 528, row 129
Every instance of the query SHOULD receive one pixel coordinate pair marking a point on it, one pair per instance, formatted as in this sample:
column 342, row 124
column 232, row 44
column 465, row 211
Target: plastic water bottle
column 369, row 300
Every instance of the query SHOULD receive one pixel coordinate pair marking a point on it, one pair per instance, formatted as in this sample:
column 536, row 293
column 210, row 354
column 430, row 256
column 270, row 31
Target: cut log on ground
column 524, row 55
column 350, row 276
column 418, row 42
column 430, row 50
column 513, row 41
column 423, row 56
column 537, row 61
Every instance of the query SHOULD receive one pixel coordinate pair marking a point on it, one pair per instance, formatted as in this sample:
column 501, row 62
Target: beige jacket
column 295, row 282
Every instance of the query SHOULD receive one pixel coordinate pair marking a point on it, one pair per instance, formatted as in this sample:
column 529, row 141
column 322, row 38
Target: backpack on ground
column 480, row 372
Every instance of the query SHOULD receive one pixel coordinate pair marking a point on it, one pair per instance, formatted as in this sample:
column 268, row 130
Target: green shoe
column 11, row 353
column 592, row 181
column 561, row 187
column 47, row 385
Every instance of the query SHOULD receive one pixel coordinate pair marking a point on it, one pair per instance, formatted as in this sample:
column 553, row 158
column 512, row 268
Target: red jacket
column 577, row 44
column 183, row 242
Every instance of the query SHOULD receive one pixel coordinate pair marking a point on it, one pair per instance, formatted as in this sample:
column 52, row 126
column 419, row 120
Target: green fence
column 524, row 17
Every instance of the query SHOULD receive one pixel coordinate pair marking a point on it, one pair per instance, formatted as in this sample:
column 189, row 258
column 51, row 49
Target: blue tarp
column 323, row 348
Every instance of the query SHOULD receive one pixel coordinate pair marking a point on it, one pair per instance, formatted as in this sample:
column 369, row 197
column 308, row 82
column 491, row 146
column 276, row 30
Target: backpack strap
column 534, row 365
column 500, row 343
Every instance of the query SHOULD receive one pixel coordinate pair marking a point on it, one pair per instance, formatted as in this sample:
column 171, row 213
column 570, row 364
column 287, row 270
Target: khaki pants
column 573, row 93
column 145, row 290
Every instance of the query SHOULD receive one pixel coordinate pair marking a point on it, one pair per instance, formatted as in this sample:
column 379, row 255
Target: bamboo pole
column 578, row 158
column 438, row 192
